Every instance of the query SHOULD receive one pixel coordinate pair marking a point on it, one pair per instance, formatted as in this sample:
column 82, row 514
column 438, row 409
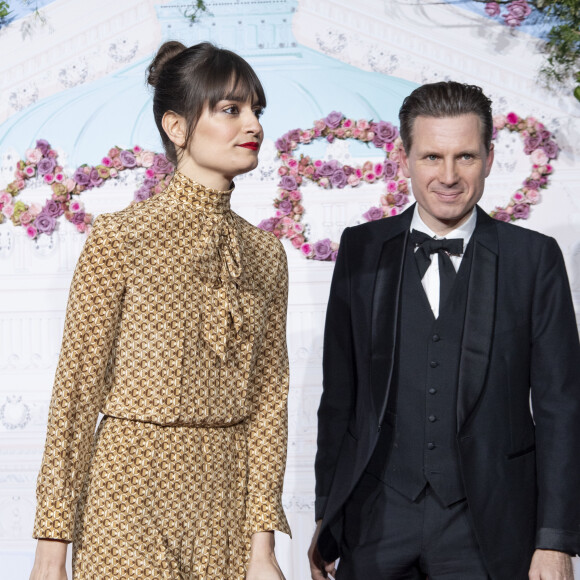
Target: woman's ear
column 175, row 127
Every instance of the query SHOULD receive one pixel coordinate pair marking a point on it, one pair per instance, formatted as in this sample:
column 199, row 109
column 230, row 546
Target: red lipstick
column 250, row 145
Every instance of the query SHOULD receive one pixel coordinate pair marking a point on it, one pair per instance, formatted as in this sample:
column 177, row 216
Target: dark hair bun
column 166, row 52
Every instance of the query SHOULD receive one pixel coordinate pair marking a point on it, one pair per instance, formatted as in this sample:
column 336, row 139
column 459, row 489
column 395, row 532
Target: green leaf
column 577, row 92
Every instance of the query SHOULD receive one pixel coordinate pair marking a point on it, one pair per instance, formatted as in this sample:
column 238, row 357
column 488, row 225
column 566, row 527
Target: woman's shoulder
column 259, row 240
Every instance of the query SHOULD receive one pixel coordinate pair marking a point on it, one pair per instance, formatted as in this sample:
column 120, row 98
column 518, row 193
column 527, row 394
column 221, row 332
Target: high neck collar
column 198, row 196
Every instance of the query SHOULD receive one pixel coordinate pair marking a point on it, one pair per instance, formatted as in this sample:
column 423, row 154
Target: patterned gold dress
column 175, row 331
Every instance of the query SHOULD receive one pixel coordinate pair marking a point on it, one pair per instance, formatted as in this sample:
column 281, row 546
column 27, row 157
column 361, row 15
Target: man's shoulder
column 380, row 230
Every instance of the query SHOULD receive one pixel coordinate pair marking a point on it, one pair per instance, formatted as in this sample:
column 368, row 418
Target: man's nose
column 448, row 173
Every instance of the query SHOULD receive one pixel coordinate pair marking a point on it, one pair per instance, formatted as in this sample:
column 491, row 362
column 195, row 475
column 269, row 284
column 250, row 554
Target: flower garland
column 540, row 146
column 41, row 162
column 331, row 174
column 287, row 221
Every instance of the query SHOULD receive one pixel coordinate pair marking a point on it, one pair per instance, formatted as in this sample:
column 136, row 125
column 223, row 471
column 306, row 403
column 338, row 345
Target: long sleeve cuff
column 265, row 513
column 560, row 540
column 55, row 519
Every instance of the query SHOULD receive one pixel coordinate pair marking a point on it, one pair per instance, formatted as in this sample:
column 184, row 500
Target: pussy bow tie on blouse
column 216, row 261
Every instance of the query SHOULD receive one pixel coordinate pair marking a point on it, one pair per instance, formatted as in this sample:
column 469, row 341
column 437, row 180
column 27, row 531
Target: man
column 430, row 462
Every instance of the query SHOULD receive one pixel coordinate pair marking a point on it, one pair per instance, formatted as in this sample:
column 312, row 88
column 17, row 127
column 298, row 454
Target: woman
column 175, row 331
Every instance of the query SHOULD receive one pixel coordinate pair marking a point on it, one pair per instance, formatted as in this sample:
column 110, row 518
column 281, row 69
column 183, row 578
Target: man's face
column 447, row 164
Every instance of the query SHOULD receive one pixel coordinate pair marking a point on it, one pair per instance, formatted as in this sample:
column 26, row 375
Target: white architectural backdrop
column 77, row 80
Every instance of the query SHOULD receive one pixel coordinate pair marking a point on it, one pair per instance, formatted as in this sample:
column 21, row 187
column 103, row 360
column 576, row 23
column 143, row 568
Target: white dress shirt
column 431, row 278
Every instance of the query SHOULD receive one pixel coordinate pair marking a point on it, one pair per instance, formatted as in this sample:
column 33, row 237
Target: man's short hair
column 445, row 99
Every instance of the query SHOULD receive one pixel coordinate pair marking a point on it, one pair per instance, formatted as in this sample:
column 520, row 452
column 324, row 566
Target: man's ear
column 175, row 127
column 404, row 161
column 489, row 160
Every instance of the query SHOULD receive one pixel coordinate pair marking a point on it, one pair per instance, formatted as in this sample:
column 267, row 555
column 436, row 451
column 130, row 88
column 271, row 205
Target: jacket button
column 430, row 446
column 434, row 364
column 432, row 390
column 432, row 418
column 436, row 338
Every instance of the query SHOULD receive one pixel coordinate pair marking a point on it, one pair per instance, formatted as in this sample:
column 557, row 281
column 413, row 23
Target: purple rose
column 128, row 159
column 333, row 119
column 43, row 145
column 149, row 183
column 348, row 170
column 391, row 169
column 531, row 143
column 78, row 218
column 373, row 214
column 283, row 144
column 517, row 12
column 294, row 135
column 521, row 211
column 492, row 9
column 53, row 209
column 268, row 225
column 502, row 216
column 384, row 133
column 543, row 180
column 400, row 199
column 322, row 249
column 46, row 165
column 338, row 179
column 550, row 149
column 95, row 179
column 81, row 177
column 288, row 182
column 285, row 207
column 328, row 168
column 44, row 223
column 142, row 194
column 532, row 183
column 333, row 256
column 162, row 165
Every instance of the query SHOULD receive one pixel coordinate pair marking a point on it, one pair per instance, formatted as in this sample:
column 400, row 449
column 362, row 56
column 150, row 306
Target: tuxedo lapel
column 479, row 317
column 385, row 313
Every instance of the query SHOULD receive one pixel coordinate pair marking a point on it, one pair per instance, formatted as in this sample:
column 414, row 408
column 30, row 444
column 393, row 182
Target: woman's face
column 225, row 143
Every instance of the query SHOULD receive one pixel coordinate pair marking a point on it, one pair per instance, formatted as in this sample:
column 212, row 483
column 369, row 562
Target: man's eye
column 432, row 157
column 467, row 157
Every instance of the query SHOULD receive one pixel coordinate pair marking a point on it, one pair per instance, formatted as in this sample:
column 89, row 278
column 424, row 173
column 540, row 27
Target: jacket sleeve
column 555, row 387
column 339, row 381
column 267, row 424
column 91, row 320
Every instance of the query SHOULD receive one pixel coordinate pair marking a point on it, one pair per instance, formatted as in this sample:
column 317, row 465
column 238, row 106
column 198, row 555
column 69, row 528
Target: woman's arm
column 263, row 564
column 50, row 560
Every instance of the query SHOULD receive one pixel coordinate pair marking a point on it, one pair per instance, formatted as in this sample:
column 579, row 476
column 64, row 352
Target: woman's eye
column 258, row 112
column 231, row 110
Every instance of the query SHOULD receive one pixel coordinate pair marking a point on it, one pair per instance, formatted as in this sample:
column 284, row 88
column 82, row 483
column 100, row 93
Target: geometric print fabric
column 177, row 319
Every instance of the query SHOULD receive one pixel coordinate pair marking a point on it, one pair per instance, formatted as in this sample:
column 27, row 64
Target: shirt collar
column 464, row 231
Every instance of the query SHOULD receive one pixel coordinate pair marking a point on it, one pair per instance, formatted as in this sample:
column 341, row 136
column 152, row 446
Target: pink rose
column 394, row 211
column 539, row 157
column 26, row 218
column 149, row 173
column 353, row 180
column 395, row 155
column 282, row 170
column 147, row 158
column 5, row 198
column 297, row 241
column 31, row 232
column 35, row 209
column 340, row 132
column 8, row 210
column 363, row 124
column 347, row 123
column 392, row 186
column 295, row 196
column 512, row 118
column 137, row 149
column 75, row 206
column 113, row 172
column 499, row 121
column 33, row 155
column 324, row 182
column 292, row 163
column 533, row 196
column 82, row 227
column 59, row 177
column 519, row 197
column 306, row 249
column 356, row 133
column 106, row 161
column 49, row 178
column 29, row 171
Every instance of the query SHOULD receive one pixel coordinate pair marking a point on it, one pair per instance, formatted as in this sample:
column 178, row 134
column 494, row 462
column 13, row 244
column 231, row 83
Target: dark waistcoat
column 419, row 447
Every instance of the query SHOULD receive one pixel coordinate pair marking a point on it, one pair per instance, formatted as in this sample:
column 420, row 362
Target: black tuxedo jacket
column 521, row 471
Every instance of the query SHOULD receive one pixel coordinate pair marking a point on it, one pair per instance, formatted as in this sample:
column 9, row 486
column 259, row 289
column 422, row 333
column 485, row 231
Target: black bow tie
column 425, row 246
